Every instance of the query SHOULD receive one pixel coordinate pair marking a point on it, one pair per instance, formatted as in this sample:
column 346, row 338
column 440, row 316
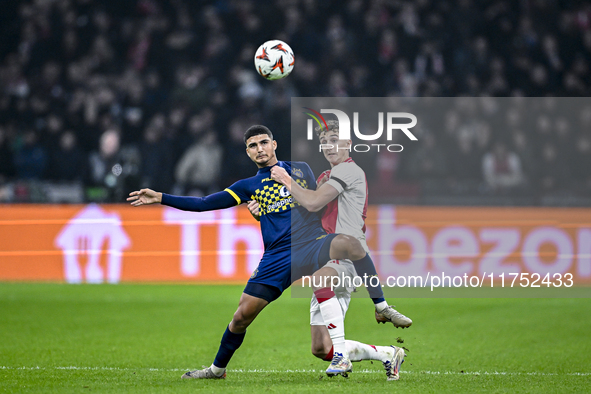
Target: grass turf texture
column 141, row 338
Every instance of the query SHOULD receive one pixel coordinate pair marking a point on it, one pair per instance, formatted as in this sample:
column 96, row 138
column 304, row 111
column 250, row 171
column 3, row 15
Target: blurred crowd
column 110, row 96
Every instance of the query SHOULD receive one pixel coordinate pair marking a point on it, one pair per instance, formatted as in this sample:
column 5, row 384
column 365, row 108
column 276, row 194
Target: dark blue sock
column 365, row 267
column 230, row 343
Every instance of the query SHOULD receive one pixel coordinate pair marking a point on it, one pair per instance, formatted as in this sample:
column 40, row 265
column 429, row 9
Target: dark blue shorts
column 279, row 268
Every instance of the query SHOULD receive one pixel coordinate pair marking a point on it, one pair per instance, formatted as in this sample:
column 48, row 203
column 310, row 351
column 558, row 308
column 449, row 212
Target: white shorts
column 345, row 269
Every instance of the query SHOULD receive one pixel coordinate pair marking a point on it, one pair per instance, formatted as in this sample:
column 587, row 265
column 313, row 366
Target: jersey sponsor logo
column 267, row 180
column 283, row 192
column 276, row 197
column 297, row 172
column 280, row 204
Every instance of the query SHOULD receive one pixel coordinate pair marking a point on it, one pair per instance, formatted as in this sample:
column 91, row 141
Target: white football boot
column 340, row 365
column 205, row 373
column 391, row 315
column 392, row 366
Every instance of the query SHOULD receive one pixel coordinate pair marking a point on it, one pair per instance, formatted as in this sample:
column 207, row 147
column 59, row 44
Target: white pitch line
column 474, row 373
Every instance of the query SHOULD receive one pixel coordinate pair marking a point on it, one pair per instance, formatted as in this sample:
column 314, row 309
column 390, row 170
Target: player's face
column 336, row 151
column 261, row 149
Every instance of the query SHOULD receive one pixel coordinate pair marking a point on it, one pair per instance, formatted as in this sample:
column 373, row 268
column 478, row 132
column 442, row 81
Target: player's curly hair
column 333, row 125
column 256, row 130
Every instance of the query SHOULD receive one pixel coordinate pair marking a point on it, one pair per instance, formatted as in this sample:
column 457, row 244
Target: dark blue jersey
column 283, row 221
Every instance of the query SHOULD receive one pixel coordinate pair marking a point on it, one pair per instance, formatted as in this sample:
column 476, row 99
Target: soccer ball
column 274, row 60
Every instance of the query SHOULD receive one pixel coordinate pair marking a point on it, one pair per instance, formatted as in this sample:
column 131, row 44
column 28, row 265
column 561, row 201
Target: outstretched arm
column 219, row 200
column 312, row 200
column 144, row 197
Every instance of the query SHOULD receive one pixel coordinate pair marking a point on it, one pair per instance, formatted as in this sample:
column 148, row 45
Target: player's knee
column 324, row 277
column 241, row 319
column 351, row 246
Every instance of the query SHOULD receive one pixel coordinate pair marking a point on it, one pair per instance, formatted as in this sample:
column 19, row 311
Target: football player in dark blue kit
column 295, row 243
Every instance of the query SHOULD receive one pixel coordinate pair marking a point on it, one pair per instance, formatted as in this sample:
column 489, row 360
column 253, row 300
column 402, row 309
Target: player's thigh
column 324, row 277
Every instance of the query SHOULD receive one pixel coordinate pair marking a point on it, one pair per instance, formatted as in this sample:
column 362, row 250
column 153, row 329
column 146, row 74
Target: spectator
column 69, row 162
column 30, row 159
column 113, row 168
column 554, row 174
column 429, row 163
column 199, row 169
column 157, row 166
column 89, row 67
column 502, row 169
column 6, row 161
column 466, row 163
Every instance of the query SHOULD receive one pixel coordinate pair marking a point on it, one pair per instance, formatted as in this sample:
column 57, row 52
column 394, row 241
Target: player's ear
column 274, row 144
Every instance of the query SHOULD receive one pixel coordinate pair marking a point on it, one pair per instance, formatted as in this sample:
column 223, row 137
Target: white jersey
column 344, row 215
column 347, row 214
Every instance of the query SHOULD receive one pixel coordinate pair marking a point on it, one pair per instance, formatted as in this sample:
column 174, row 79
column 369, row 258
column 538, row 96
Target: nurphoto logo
column 345, row 129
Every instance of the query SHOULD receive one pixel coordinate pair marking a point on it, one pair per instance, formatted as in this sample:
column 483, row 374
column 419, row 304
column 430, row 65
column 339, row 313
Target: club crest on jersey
column 297, row 172
column 254, row 274
column 283, row 192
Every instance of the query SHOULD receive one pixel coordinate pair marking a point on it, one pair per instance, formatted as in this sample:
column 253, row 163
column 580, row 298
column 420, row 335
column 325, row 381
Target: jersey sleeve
column 219, row 200
column 240, row 191
column 308, row 175
column 324, row 176
column 343, row 176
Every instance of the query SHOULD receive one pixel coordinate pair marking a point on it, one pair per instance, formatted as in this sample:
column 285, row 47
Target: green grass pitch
column 141, row 338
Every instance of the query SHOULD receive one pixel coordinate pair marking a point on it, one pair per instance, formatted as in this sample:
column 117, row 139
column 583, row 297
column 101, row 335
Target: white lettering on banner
column 454, row 241
column 83, row 238
column 190, row 223
column 389, row 235
column 506, row 241
column 230, row 234
column 539, row 236
column 584, row 252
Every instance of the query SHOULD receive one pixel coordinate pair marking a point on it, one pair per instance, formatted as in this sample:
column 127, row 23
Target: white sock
column 217, row 371
column 381, row 305
column 360, row 351
column 333, row 319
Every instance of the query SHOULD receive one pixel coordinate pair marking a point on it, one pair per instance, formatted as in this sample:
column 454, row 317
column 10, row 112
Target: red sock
column 323, row 294
column 329, row 355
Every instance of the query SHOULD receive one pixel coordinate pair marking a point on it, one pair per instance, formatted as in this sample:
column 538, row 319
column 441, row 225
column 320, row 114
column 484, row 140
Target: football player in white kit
column 345, row 199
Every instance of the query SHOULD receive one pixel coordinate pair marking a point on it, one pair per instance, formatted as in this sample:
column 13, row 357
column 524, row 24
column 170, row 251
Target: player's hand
column 254, row 209
column 278, row 174
column 144, row 197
